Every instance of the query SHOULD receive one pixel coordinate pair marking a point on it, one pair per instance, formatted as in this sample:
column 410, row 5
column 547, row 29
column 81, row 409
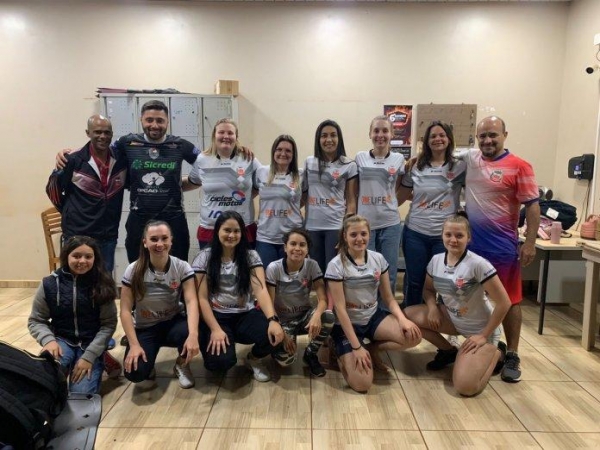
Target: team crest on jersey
column 241, row 171
column 304, row 282
column 335, row 174
column 174, row 284
column 153, row 153
column 377, row 275
column 460, row 282
column 392, row 170
column 450, row 175
column 496, row 175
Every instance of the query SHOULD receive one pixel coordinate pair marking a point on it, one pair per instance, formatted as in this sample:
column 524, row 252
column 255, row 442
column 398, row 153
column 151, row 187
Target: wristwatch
column 273, row 318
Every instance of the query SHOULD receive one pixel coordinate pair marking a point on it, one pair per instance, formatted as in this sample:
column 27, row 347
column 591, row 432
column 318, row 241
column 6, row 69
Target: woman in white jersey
column 354, row 278
column 290, row 281
column 435, row 181
column 462, row 279
column 152, row 289
column 379, row 175
column 330, row 184
column 226, row 175
column 280, row 189
column 231, row 277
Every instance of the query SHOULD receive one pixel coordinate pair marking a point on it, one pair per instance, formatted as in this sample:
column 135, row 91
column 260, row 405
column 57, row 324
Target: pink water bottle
column 555, row 232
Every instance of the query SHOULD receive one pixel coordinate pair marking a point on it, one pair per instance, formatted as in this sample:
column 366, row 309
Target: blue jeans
column 387, row 242
column 418, row 250
column 169, row 333
column 322, row 247
column 269, row 252
column 70, row 355
column 107, row 248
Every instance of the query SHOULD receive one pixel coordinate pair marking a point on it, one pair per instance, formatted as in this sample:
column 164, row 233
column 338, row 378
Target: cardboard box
column 227, row 87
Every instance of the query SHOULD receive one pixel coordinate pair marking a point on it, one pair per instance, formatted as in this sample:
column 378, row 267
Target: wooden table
column 572, row 243
column 591, row 253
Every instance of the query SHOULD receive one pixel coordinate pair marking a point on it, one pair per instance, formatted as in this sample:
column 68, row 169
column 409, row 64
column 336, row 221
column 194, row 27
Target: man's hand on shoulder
column 61, row 158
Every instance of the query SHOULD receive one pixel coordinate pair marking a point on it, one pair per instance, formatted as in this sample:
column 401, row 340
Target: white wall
column 580, row 104
column 297, row 64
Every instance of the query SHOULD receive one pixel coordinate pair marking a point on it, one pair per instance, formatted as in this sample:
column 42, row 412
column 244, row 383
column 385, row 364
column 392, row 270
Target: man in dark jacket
column 89, row 190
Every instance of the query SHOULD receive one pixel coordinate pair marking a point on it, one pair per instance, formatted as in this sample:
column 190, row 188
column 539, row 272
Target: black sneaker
column 511, row 372
column 442, row 359
column 124, row 341
column 313, row 364
column 500, row 363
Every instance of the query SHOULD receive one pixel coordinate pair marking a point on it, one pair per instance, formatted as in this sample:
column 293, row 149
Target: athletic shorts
column 342, row 344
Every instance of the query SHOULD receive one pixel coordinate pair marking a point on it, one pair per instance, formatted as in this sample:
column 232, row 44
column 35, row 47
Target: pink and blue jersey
column 494, row 193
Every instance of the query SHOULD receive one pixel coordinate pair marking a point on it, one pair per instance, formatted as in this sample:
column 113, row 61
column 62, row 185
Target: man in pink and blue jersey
column 497, row 184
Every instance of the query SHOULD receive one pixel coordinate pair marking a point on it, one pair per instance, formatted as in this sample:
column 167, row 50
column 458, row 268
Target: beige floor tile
column 16, row 293
column 536, row 367
column 576, row 362
column 367, row 440
column 557, row 333
column 437, row 406
column 255, row 439
column 551, row 407
column 336, row 406
column 167, row 405
column 478, row 440
column 111, row 391
column 410, row 364
column 562, row 441
column 13, row 328
column 147, row 438
column 531, row 312
column 592, row 388
column 29, row 344
column 247, row 403
column 20, row 308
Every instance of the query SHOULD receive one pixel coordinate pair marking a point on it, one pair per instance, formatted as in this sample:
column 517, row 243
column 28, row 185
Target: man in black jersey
column 156, row 189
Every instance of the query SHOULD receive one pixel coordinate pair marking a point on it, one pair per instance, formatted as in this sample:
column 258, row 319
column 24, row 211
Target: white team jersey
column 461, row 289
column 361, row 284
column 226, row 186
column 326, row 202
column 377, row 188
column 292, row 289
column 279, row 205
column 163, row 291
column 227, row 300
column 436, row 196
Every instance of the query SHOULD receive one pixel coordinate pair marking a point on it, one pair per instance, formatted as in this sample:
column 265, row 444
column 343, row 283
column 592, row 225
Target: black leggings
column 246, row 328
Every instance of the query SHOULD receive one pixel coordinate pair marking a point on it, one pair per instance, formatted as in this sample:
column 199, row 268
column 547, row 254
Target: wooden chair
column 51, row 220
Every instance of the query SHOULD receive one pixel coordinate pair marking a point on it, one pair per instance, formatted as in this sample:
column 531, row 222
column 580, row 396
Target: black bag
column 33, row 391
column 555, row 210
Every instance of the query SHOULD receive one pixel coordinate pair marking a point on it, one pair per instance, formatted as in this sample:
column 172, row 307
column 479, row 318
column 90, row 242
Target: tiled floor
column 556, row 406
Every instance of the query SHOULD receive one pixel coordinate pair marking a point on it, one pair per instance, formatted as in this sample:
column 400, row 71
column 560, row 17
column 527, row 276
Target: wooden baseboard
column 19, row 283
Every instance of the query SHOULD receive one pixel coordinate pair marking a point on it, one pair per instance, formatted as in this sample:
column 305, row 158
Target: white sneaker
column 258, row 368
column 453, row 340
column 184, row 373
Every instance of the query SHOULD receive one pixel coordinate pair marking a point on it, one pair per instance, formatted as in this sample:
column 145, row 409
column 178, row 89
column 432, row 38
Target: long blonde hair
column 212, row 150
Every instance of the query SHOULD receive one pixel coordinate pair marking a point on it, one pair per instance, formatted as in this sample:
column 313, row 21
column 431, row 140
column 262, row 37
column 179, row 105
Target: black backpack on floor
column 33, row 391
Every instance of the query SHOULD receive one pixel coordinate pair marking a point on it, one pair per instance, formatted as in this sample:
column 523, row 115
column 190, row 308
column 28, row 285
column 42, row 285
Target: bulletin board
column 461, row 117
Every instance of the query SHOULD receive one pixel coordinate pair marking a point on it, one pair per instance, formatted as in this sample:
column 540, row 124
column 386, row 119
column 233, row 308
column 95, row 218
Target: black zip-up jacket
column 87, row 209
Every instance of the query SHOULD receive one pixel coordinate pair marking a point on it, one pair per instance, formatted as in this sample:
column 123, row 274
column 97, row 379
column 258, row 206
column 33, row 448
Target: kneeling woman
column 73, row 315
column 153, row 285
column 290, row 281
column 462, row 279
column 230, row 277
column 354, row 277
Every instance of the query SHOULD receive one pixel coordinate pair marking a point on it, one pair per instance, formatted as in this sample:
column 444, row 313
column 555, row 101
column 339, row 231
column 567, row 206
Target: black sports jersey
column 155, row 173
